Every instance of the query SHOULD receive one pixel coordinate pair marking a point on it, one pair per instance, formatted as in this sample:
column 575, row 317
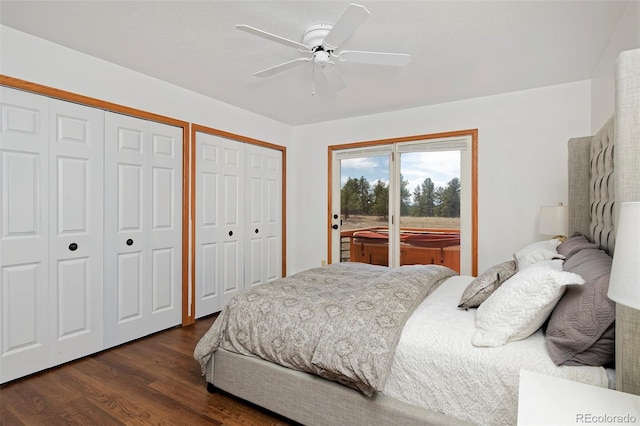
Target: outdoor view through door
column 403, row 204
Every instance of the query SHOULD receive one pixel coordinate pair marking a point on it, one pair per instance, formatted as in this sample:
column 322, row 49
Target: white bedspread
column 437, row 367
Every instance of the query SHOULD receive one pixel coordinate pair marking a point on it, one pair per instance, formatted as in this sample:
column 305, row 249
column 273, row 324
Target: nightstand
column 548, row 400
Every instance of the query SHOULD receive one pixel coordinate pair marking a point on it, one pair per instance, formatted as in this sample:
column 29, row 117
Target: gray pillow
column 580, row 327
column 574, row 244
column 481, row 288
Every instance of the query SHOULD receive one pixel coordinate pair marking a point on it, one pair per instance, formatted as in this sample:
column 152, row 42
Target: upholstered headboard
column 597, row 188
column 591, row 186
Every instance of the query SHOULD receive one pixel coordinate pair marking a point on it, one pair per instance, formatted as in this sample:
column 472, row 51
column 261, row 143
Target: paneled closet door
column 219, row 221
column 165, row 232
column 24, row 233
column 51, row 249
column 263, row 202
column 76, row 243
column 143, row 245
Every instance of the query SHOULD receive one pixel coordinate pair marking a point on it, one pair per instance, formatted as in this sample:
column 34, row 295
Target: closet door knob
column 256, row 231
column 230, row 233
column 73, row 247
column 129, row 242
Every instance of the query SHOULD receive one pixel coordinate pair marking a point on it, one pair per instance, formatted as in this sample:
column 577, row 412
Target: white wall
column 522, row 162
column 39, row 61
column 626, row 37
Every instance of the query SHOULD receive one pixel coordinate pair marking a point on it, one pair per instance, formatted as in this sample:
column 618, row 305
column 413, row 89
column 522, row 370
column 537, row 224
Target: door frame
column 472, row 133
column 192, row 196
column 188, row 316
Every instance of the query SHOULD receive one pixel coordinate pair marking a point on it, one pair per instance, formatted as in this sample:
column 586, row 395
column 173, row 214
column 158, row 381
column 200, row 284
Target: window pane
column 364, row 210
column 430, row 208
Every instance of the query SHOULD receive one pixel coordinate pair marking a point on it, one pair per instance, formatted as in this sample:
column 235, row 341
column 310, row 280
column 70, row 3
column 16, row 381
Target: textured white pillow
column 522, row 303
column 536, row 252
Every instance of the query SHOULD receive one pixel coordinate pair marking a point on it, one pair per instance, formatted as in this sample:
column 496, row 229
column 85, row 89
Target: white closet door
column 24, row 233
column 165, row 226
column 126, row 220
column 219, row 222
column 76, row 243
column 143, row 192
column 263, row 201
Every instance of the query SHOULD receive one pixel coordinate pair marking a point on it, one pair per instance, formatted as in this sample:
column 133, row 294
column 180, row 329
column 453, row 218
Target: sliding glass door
column 364, row 206
column 409, row 202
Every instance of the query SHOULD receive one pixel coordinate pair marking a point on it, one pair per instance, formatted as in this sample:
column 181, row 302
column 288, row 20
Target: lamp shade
column 554, row 220
column 624, row 282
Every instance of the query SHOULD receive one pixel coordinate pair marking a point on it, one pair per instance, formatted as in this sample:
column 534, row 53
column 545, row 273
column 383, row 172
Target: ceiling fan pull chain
column 313, row 78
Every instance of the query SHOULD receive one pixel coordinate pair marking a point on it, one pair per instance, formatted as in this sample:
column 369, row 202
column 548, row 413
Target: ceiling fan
column 321, row 43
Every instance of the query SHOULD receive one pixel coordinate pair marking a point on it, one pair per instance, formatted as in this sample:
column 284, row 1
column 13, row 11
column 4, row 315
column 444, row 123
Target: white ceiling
column 459, row 49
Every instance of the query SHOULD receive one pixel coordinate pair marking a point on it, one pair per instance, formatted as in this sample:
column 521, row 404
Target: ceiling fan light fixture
column 321, row 58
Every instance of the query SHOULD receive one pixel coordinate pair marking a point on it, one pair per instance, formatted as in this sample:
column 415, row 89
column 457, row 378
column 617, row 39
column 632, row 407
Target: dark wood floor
column 154, row 380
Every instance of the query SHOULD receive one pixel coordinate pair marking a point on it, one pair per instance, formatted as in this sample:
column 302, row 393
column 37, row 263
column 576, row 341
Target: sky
column 440, row 166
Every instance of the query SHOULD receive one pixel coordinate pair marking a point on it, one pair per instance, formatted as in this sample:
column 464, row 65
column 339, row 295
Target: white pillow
column 535, row 252
column 522, row 303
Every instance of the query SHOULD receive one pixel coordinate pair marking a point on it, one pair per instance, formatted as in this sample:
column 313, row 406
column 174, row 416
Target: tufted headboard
column 604, row 171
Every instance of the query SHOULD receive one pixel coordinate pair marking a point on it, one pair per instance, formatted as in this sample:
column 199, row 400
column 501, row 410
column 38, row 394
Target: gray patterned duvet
column 341, row 322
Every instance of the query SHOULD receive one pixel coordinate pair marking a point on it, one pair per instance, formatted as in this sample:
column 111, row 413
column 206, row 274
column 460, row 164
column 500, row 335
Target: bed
column 468, row 372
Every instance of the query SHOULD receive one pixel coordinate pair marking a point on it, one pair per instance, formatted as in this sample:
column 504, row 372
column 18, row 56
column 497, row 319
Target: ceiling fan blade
column 273, row 37
column 278, row 68
column 377, row 58
column 350, row 20
column 333, row 76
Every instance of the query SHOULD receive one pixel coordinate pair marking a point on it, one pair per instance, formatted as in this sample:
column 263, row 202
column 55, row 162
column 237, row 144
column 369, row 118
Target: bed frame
column 311, row 400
